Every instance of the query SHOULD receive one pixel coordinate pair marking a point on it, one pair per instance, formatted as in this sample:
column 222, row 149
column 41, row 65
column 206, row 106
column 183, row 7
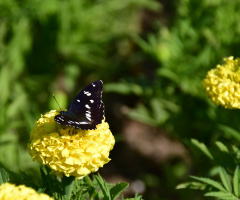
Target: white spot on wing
column 87, row 106
column 88, row 116
column 78, row 100
column 61, row 118
column 83, row 122
column 91, row 100
column 87, row 93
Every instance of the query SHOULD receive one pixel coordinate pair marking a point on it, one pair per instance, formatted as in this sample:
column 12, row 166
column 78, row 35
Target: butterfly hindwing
column 86, row 110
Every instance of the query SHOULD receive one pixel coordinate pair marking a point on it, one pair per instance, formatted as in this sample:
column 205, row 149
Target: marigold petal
column 222, row 84
column 69, row 151
column 21, row 192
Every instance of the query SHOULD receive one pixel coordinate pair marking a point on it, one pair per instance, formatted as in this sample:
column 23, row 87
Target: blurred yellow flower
column 69, row 151
column 223, row 84
column 11, row 192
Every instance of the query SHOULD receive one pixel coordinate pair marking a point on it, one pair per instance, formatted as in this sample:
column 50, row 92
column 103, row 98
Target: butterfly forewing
column 86, row 110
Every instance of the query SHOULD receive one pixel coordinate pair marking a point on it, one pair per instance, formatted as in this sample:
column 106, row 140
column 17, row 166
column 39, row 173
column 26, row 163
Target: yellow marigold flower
column 11, row 192
column 69, row 151
column 223, row 84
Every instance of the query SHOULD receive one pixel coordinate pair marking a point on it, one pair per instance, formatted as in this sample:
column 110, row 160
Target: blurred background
column 152, row 56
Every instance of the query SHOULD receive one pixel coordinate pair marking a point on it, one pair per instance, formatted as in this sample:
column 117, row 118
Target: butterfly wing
column 86, row 110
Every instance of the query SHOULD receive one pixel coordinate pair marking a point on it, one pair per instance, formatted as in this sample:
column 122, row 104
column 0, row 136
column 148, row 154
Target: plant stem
column 68, row 183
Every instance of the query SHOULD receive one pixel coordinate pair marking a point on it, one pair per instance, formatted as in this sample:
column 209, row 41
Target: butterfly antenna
column 56, row 101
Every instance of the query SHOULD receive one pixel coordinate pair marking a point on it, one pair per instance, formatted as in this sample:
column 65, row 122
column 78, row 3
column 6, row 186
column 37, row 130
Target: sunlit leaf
column 118, row 189
column 221, row 195
column 192, row 185
column 222, row 147
column 236, row 181
column 225, row 179
column 104, row 188
column 202, row 147
column 210, row 182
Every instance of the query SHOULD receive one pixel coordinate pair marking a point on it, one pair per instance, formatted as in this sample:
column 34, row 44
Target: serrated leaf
column 59, row 196
column 20, row 178
column 3, row 176
column 221, row 195
column 210, row 182
column 225, row 179
column 103, row 185
column 236, row 181
column 92, row 192
column 118, row 189
column 202, row 147
column 91, row 189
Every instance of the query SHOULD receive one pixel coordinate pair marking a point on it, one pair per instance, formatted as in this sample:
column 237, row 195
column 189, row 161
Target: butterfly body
column 86, row 110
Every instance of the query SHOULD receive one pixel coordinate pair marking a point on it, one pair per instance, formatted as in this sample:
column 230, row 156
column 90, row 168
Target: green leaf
column 81, row 190
column 103, row 185
column 225, row 179
column 210, row 182
column 135, row 198
column 192, row 185
column 91, row 190
column 118, row 189
column 58, row 196
column 230, row 131
column 221, row 195
column 202, row 147
column 236, row 180
column 124, row 88
column 50, row 182
column 3, row 176
column 21, row 178
column 222, row 147
column 67, row 185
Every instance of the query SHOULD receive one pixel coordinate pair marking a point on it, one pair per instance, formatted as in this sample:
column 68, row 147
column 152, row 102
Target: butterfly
column 86, row 110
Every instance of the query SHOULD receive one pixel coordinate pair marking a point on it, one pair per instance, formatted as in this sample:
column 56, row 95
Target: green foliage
column 221, row 154
column 152, row 59
column 228, row 188
column 3, row 176
column 223, row 190
column 229, row 132
column 40, row 40
column 182, row 51
column 66, row 188
column 108, row 192
column 135, row 198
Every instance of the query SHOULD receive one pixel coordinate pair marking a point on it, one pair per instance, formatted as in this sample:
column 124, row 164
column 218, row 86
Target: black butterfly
column 86, row 110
